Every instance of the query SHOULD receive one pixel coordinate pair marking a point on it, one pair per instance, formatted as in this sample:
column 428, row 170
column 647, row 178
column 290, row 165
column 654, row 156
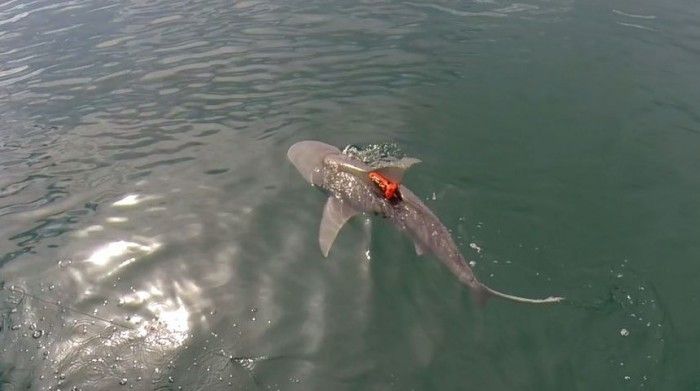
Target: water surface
column 144, row 187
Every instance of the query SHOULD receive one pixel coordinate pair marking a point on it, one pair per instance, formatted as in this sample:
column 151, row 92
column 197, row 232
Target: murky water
column 154, row 236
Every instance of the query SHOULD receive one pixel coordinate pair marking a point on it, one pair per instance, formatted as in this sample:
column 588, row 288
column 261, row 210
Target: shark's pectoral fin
column 396, row 171
column 335, row 214
column 419, row 248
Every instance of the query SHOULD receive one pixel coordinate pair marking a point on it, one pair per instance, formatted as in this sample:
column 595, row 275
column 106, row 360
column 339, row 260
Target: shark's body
column 351, row 191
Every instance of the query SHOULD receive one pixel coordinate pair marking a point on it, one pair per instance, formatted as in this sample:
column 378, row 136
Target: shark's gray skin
column 351, row 191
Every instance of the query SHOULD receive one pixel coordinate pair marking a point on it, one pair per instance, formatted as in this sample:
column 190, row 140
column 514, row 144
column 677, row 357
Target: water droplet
column 476, row 247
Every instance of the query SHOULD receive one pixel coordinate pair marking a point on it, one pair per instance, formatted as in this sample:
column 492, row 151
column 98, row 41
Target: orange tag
column 389, row 188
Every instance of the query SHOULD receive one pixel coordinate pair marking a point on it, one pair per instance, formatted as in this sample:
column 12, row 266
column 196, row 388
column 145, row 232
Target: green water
column 144, row 181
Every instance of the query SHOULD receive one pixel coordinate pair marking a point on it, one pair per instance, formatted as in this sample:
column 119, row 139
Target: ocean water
column 153, row 234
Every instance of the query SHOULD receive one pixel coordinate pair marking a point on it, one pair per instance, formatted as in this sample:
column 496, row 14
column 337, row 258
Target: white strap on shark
column 335, row 214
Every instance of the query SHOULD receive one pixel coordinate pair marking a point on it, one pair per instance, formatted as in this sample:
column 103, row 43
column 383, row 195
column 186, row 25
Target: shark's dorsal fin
column 396, row 171
column 335, row 214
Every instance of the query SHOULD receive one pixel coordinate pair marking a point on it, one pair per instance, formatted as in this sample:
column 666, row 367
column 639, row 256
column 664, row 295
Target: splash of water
column 375, row 155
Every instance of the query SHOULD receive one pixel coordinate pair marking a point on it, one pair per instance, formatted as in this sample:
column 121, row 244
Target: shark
column 353, row 187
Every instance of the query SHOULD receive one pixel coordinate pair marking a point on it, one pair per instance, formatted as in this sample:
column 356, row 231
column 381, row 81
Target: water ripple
column 144, row 183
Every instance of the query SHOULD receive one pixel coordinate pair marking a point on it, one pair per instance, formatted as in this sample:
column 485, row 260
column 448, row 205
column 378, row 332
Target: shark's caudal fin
column 483, row 293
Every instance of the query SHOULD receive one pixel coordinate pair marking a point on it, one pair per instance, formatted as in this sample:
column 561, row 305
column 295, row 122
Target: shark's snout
column 307, row 157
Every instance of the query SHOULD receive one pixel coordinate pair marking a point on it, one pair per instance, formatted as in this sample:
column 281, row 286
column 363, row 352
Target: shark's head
column 311, row 157
column 308, row 157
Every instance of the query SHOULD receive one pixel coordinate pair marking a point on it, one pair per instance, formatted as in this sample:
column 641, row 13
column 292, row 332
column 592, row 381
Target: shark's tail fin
column 483, row 293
